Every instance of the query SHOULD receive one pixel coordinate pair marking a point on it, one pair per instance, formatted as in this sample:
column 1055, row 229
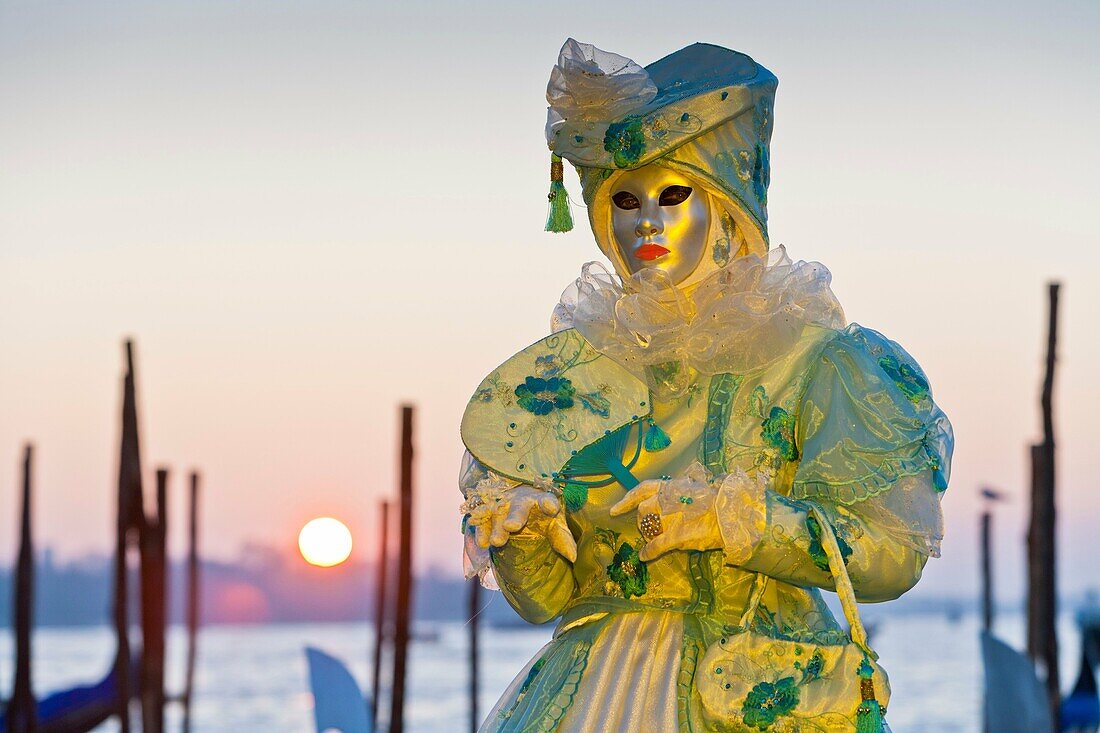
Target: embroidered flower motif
column 777, row 430
column 543, row 396
column 596, row 403
column 909, row 380
column 813, row 667
column 628, row 571
column 761, row 174
column 767, row 701
column 547, row 366
column 817, row 552
column 625, row 141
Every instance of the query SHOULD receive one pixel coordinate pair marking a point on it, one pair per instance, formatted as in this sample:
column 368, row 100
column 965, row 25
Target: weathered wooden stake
column 22, row 711
column 404, row 576
column 154, row 601
column 130, row 514
column 472, row 615
column 380, row 594
column 987, row 570
column 1042, row 641
column 192, row 600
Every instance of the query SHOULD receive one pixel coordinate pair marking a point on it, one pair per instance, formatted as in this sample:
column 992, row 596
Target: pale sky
column 308, row 212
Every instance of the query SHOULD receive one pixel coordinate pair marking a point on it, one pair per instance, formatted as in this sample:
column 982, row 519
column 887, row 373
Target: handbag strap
column 841, row 580
column 843, row 583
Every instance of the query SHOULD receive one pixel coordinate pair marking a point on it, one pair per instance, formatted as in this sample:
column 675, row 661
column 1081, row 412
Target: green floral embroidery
column 535, row 669
column 596, row 403
column 767, row 701
column 625, row 141
column 628, row 571
column 909, row 380
column 495, row 389
column 761, row 174
column 794, row 629
column 542, row 396
column 758, row 400
column 761, row 169
column 939, row 478
column 547, row 365
column 778, row 432
column 813, row 667
column 817, row 552
column 605, row 536
column 721, row 251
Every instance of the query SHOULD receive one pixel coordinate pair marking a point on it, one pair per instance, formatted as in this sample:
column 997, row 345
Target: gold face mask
column 659, row 219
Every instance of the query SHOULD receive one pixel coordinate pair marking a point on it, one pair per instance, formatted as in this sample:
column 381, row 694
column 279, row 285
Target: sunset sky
column 306, row 213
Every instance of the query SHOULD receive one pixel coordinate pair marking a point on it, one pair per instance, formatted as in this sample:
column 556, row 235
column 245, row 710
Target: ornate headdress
column 705, row 111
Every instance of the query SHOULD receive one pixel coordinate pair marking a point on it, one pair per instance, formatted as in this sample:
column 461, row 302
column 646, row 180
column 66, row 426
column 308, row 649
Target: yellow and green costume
column 749, row 368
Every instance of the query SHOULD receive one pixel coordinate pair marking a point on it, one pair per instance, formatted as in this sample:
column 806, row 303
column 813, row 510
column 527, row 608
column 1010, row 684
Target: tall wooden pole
column 192, row 600
column 130, row 513
column 472, row 615
column 987, row 570
column 1042, row 642
column 154, row 601
column 22, row 711
column 404, row 576
column 380, row 594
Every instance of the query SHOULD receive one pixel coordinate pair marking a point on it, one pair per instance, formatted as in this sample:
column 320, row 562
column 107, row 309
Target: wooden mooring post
column 192, row 600
column 987, row 569
column 130, row 516
column 22, row 710
column 381, row 592
column 402, row 619
column 473, row 612
column 154, row 609
column 1042, row 607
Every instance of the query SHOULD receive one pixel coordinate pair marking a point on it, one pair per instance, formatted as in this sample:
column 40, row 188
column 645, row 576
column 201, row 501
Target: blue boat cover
column 338, row 704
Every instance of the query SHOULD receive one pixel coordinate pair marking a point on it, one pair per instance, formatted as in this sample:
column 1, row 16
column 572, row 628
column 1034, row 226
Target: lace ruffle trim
column 742, row 510
column 740, row 317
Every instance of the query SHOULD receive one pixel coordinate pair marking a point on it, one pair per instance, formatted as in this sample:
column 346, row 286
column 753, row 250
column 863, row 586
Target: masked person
column 754, row 448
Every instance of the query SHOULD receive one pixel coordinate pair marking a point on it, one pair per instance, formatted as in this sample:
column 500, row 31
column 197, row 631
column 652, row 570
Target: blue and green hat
column 705, row 111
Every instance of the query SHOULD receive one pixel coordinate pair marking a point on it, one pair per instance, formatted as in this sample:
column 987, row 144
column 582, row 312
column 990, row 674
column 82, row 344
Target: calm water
column 254, row 678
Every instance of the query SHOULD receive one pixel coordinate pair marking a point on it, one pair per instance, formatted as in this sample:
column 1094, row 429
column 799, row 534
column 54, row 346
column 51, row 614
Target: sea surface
column 253, row 678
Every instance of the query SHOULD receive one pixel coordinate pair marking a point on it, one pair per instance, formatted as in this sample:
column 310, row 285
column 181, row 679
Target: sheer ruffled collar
column 735, row 320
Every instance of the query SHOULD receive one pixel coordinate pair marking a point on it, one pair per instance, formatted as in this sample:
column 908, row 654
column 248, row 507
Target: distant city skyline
column 306, row 214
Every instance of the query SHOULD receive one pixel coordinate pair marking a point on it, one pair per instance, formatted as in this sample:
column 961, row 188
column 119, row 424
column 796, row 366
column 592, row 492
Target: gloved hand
column 498, row 509
column 696, row 513
column 685, row 507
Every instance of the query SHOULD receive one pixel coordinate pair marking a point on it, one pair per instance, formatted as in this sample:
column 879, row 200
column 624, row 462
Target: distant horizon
column 77, row 594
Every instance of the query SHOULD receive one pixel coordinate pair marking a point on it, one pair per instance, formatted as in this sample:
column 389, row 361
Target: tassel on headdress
column 560, row 218
column 869, row 716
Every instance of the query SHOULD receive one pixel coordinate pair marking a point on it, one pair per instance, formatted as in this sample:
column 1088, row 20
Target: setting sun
column 324, row 542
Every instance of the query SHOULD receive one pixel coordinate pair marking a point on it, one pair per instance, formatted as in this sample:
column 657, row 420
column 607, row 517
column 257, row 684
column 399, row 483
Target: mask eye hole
column 674, row 195
column 626, row 200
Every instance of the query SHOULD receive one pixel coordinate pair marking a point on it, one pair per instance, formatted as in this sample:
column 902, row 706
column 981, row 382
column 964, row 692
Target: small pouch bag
column 750, row 682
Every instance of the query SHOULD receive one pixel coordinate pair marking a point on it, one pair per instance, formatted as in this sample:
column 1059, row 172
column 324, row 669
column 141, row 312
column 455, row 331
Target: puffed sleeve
column 873, row 453
column 535, row 579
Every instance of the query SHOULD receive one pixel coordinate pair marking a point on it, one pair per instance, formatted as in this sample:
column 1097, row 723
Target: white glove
column 498, row 509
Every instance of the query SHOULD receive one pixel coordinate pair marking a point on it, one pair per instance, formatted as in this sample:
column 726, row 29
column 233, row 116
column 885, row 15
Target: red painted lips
column 650, row 252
